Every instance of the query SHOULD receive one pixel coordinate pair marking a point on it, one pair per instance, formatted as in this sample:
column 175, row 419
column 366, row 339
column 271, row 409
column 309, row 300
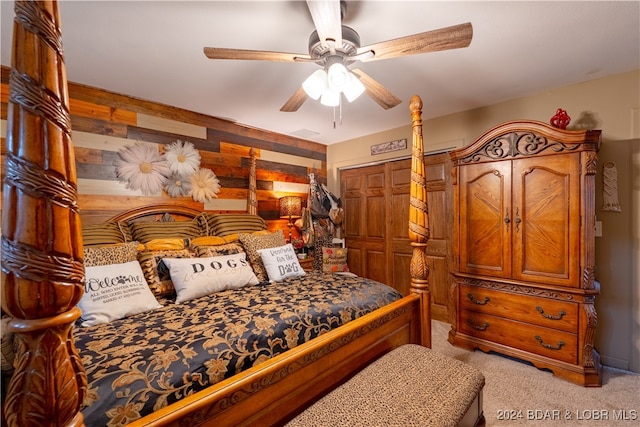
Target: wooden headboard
column 156, row 212
column 42, row 249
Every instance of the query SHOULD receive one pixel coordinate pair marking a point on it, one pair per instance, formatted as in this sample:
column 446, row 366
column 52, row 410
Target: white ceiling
column 153, row 50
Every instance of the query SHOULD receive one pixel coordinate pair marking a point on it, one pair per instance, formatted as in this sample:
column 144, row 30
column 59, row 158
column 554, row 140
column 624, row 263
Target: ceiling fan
column 334, row 47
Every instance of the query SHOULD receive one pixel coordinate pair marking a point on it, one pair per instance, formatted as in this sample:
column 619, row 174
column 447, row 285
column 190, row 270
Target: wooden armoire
column 523, row 235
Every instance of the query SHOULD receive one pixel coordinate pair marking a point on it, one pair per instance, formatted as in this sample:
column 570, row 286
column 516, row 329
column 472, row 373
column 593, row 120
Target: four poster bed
column 59, row 362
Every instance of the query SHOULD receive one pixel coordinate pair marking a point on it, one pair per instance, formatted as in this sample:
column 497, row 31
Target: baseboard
column 614, row 362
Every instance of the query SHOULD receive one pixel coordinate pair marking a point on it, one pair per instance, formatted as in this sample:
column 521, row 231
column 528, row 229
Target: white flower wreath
column 204, row 185
column 182, row 157
column 141, row 167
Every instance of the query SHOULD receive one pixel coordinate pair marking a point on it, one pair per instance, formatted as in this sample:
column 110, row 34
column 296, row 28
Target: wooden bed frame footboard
column 43, row 269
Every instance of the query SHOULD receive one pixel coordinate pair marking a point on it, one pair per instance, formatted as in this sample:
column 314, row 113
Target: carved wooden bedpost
column 419, row 220
column 252, row 202
column 42, row 265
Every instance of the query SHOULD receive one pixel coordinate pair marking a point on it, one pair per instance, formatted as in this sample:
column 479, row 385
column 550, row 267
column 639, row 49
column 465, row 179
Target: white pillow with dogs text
column 196, row 277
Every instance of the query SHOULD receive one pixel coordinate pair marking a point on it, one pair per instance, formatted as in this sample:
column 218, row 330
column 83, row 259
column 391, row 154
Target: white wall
column 614, row 104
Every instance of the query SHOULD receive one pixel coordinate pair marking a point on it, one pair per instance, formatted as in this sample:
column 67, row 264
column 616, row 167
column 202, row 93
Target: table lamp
column 291, row 208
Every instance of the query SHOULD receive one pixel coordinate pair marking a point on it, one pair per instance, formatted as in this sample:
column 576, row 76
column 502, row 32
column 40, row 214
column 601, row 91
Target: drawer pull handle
column 518, row 220
column 549, row 346
column 482, row 327
column 475, row 301
column 560, row 315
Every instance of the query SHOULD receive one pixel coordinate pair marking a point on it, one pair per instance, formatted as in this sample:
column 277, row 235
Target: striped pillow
column 106, row 233
column 225, row 224
column 145, row 232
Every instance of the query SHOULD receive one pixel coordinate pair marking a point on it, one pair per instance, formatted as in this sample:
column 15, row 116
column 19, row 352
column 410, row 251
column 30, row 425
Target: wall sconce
column 290, row 208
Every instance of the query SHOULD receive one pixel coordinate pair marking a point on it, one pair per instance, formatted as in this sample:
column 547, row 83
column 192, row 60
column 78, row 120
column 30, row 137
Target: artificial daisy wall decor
column 204, row 185
column 141, row 167
column 182, row 158
column 178, row 185
column 177, row 171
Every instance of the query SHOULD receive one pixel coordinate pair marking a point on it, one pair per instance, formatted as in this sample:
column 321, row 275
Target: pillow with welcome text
column 113, row 292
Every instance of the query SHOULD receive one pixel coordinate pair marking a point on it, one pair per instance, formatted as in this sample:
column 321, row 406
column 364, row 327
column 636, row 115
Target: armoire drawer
column 546, row 312
column 552, row 343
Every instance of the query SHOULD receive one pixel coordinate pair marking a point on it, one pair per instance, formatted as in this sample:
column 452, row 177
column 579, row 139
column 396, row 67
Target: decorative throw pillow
column 114, row 254
column 197, row 277
column 214, row 240
column 106, row 233
column 281, row 262
column 226, row 224
column 334, row 260
column 113, row 292
column 166, row 244
column 144, row 232
column 218, row 250
column 157, row 273
column 253, row 242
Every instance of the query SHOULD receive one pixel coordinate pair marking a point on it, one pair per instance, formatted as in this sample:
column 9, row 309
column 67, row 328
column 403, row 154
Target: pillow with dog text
column 281, row 262
column 196, row 277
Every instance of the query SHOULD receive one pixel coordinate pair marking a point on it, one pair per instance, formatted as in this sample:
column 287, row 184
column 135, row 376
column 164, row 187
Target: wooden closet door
column 364, row 227
column 361, row 192
column 485, row 218
column 398, row 243
column 546, row 227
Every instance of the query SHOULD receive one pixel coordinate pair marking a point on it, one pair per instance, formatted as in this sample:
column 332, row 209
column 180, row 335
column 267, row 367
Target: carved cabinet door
column 546, row 221
column 485, row 216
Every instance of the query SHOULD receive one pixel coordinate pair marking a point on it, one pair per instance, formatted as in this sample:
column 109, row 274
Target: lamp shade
column 315, row 84
column 290, row 207
column 330, row 98
column 337, row 76
column 353, row 89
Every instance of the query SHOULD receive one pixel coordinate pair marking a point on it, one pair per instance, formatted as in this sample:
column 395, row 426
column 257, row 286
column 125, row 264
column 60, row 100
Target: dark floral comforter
column 144, row 362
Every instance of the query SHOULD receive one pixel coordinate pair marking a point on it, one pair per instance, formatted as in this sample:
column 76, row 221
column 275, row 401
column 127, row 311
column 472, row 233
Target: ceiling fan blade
column 376, row 91
column 454, row 37
column 326, row 17
column 295, row 102
column 258, row 55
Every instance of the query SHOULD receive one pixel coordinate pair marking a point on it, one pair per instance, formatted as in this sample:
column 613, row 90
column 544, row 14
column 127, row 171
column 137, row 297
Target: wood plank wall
column 104, row 122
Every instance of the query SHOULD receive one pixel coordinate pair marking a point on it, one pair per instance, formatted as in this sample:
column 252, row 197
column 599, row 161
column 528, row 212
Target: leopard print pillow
column 157, row 273
column 253, row 242
column 115, row 254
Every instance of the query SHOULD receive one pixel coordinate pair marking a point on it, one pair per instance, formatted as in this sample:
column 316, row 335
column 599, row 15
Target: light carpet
column 518, row 394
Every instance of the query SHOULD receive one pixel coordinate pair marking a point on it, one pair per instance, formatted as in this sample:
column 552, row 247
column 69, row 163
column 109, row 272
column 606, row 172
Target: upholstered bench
column 409, row 386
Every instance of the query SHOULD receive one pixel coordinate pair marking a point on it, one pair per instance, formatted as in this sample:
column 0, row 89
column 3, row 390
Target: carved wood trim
column 523, row 139
column 419, row 220
column 42, row 263
column 252, row 199
column 516, row 288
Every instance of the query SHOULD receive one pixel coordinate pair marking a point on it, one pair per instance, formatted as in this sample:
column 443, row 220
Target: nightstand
column 307, row 263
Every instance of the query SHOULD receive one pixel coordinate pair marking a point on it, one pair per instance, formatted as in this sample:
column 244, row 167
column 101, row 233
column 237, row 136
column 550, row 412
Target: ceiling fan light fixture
column 315, row 84
column 353, row 89
column 337, row 76
column 330, row 98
